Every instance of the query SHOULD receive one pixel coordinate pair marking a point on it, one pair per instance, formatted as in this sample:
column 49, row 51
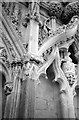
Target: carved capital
column 17, row 63
column 31, row 65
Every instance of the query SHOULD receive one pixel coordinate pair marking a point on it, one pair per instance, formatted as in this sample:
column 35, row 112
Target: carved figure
column 69, row 70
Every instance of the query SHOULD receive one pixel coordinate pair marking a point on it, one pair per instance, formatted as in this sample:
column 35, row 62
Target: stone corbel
column 8, row 88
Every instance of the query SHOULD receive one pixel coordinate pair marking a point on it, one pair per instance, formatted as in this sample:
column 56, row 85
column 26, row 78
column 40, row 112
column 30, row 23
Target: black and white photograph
column 39, row 59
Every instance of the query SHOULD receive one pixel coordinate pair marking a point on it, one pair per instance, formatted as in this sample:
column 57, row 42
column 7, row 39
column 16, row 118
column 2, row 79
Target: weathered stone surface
column 41, row 104
column 47, row 101
column 45, row 114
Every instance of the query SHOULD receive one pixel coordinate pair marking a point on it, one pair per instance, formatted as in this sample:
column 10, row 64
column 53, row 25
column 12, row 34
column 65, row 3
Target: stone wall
column 47, row 99
column 42, row 102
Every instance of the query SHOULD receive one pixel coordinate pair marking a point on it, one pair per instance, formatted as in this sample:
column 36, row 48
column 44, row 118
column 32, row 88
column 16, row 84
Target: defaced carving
column 69, row 69
column 8, row 88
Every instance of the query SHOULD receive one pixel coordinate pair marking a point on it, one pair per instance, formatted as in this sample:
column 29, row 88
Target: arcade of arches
column 39, row 59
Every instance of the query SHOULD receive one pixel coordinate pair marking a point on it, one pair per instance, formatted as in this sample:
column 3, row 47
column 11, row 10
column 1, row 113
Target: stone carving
column 13, row 11
column 11, row 50
column 8, row 88
column 44, row 34
column 34, row 10
column 26, row 20
column 56, row 9
column 69, row 69
column 70, row 33
column 64, row 12
column 47, row 53
column 32, row 14
column 44, row 31
column 3, row 53
column 32, row 66
column 4, row 57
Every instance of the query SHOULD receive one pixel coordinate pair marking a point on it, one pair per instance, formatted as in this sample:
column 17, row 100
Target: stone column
column 67, row 104
column 64, row 107
column 70, row 83
column 27, row 96
column 12, row 103
column 14, row 95
column 67, row 80
column 33, row 29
